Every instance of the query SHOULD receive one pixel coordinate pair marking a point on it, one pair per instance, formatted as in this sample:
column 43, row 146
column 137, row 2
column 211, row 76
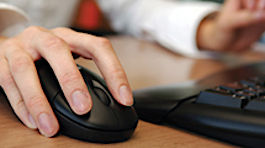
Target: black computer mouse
column 107, row 122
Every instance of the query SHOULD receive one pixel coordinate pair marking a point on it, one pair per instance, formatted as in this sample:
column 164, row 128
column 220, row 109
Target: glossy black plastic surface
column 108, row 121
column 227, row 122
column 153, row 104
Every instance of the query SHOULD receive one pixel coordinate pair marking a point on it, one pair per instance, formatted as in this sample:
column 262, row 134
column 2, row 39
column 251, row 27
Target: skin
column 235, row 27
column 19, row 79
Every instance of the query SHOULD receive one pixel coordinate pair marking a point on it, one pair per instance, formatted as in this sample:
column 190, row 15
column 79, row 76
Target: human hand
column 236, row 27
column 19, row 78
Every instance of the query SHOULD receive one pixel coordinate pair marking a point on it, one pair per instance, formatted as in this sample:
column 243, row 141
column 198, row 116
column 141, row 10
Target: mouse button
column 101, row 94
column 48, row 80
column 102, row 115
column 60, row 104
column 87, row 78
column 97, row 84
column 91, row 75
column 104, row 90
column 127, row 116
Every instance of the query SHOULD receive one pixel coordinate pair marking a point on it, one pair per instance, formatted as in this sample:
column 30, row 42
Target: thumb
column 233, row 16
column 231, row 6
column 245, row 18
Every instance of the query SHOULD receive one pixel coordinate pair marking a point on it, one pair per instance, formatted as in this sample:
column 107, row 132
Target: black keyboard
column 246, row 94
column 228, row 106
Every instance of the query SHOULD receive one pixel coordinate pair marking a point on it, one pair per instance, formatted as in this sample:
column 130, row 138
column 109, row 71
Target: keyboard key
column 232, row 87
column 225, row 100
column 222, row 91
column 258, row 92
column 258, row 80
column 245, row 95
column 256, row 104
column 248, row 83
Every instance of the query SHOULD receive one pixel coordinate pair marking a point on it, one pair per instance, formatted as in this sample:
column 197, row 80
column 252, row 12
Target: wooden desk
column 147, row 64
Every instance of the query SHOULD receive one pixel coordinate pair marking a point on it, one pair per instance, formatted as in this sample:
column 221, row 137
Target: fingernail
column 32, row 122
column 81, row 102
column 126, row 96
column 46, row 125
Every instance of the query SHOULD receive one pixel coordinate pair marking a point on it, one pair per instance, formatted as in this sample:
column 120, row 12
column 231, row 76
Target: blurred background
column 89, row 18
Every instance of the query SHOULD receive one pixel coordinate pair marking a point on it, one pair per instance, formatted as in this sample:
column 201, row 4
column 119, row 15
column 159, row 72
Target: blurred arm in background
column 188, row 27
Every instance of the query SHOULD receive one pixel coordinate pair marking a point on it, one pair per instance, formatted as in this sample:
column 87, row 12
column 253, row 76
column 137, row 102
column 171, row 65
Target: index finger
column 101, row 51
column 249, row 4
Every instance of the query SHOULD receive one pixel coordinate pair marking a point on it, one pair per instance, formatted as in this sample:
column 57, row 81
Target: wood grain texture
column 147, row 64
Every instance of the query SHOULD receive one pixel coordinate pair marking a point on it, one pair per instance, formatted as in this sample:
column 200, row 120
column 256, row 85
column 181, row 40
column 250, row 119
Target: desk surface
column 146, row 64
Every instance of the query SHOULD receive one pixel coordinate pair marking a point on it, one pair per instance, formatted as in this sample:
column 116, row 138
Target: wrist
column 206, row 34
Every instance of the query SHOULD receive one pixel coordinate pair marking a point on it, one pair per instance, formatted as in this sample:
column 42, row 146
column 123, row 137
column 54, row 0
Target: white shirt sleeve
column 172, row 24
column 12, row 20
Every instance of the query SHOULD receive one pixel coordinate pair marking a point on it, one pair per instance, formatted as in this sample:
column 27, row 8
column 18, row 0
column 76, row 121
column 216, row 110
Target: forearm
column 206, row 33
column 173, row 24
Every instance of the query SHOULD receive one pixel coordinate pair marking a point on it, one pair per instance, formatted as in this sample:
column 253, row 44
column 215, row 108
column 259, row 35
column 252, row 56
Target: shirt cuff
column 12, row 20
column 176, row 28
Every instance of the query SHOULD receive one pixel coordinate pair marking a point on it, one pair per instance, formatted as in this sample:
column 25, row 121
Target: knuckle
column 11, row 45
column 117, row 73
column 20, row 62
column 10, row 42
column 101, row 46
column 69, row 77
column 61, row 29
column 6, row 80
column 5, row 77
column 103, row 42
column 33, row 29
column 35, row 102
column 19, row 104
column 53, row 43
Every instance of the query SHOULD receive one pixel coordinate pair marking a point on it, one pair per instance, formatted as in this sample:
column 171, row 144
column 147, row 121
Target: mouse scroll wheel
column 102, row 95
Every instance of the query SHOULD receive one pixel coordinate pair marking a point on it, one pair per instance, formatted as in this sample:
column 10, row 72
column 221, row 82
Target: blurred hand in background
column 235, row 27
